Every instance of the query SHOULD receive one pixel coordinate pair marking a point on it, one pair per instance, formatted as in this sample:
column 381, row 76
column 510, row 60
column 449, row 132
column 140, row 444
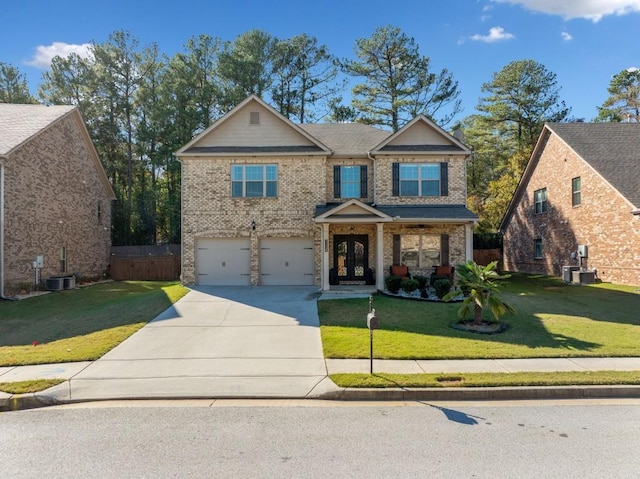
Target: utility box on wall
column 583, row 251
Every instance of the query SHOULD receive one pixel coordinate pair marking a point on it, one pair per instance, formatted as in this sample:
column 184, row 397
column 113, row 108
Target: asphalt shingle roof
column 612, row 149
column 18, row 123
column 439, row 212
column 346, row 139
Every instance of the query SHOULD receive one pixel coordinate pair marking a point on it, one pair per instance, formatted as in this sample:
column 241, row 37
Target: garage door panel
column 286, row 261
column 224, row 261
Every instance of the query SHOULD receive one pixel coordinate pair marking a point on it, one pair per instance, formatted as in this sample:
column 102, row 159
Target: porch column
column 468, row 231
column 325, row 257
column 379, row 256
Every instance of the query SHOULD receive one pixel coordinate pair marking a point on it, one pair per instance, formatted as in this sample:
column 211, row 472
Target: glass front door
column 350, row 258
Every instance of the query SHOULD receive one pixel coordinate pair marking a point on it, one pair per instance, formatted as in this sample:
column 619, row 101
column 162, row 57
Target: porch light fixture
column 253, row 225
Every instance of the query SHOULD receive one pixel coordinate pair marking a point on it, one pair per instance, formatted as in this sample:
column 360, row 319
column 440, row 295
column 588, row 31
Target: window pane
column 254, row 173
column 272, row 172
column 409, row 250
column 272, row 189
column 408, row 172
column 236, row 189
column 430, row 188
column 409, row 188
column 537, row 247
column 350, row 173
column 430, row 171
column 236, row 173
column 254, row 188
column 350, row 190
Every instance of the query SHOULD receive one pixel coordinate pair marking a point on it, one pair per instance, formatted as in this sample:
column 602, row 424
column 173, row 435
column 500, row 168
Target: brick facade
column 304, row 183
column 55, row 197
column 603, row 221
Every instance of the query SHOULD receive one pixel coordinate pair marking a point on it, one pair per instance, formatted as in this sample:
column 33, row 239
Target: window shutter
column 396, row 249
column 444, row 179
column 363, row 181
column 444, row 250
column 396, row 179
column 336, row 181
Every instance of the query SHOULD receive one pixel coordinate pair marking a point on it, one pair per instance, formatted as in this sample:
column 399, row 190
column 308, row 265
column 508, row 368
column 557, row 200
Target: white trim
column 325, row 257
column 326, row 217
column 380, row 256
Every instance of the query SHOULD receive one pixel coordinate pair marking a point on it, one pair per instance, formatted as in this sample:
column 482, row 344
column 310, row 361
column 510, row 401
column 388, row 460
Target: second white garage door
column 286, row 261
column 223, row 261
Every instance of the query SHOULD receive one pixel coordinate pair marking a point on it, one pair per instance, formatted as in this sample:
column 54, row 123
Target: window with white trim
column 254, row 181
column 540, row 200
column 537, row 248
column 576, row 191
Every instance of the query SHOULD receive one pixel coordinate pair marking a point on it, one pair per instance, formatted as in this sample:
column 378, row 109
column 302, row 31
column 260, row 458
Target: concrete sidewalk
column 257, row 342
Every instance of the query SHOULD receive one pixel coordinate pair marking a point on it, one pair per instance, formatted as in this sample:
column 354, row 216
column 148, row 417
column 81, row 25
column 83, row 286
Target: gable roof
column 438, row 142
column 18, row 123
column 612, row 149
column 307, row 143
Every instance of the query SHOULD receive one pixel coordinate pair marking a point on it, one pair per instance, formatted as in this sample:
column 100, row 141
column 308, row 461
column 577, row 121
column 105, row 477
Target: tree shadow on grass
column 545, row 307
column 79, row 312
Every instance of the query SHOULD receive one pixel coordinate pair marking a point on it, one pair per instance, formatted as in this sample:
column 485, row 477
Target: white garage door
column 286, row 261
column 223, row 261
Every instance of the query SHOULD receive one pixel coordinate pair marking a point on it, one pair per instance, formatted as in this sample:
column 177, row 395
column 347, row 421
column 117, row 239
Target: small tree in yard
column 481, row 284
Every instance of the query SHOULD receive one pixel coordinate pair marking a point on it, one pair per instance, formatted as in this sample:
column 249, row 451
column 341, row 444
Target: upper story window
column 540, row 200
column 254, row 181
column 420, row 179
column 576, row 191
column 350, row 181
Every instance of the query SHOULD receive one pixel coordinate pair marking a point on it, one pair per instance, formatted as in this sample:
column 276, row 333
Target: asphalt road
column 300, row 439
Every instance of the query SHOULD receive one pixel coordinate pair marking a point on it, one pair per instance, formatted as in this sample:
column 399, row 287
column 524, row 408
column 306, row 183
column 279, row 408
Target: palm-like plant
column 480, row 283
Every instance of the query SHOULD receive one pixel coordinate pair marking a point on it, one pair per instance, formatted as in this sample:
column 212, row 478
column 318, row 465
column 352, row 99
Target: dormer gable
column 421, row 136
column 253, row 128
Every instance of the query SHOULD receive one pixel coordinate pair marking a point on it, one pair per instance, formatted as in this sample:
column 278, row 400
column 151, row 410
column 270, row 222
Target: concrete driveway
column 260, row 342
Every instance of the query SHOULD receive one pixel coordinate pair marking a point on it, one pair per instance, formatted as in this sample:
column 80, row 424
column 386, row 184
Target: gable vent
column 254, row 118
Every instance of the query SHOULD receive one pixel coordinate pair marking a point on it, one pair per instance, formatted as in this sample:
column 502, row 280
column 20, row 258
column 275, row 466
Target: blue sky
column 585, row 42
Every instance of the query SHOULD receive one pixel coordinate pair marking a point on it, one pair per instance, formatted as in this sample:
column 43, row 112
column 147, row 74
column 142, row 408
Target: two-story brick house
column 580, row 187
column 269, row 202
column 55, row 198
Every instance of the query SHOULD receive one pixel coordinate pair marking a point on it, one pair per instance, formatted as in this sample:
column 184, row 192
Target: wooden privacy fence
column 145, row 268
column 486, row 256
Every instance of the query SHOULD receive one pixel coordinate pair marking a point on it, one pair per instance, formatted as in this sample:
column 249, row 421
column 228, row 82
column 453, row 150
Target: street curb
column 20, row 402
column 487, row 393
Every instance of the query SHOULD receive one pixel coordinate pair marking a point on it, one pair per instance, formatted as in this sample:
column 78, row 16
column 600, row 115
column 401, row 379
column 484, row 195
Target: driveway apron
column 217, row 342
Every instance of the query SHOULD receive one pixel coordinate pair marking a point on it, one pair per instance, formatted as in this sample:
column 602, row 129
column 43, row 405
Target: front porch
column 359, row 242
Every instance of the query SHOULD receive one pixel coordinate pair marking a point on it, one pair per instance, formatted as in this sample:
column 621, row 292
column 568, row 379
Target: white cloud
column 45, row 53
column 485, row 13
column 632, row 69
column 496, row 34
column 592, row 10
column 567, row 36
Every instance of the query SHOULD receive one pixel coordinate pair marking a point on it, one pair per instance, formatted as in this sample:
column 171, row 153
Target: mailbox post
column 372, row 323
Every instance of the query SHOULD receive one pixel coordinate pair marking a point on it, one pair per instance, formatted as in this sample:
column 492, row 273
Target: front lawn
column 552, row 320
column 80, row 324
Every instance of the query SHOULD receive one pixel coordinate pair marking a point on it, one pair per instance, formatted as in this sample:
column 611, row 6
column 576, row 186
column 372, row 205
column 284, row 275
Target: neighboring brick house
column 55, row 199
column 580, row 187
column 269, row 202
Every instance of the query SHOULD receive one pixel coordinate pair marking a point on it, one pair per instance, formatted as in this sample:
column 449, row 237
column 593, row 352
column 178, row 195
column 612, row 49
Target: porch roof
column 413, row 213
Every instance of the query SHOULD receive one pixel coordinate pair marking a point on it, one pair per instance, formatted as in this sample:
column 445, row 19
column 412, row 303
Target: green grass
column 552, row 320
column 24, row 387
column 80, row 324
column 581, row 378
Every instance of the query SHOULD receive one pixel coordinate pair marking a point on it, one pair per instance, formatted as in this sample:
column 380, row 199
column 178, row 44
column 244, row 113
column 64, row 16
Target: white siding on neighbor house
column 286, row 261
column 223, row 261
column 236, row 131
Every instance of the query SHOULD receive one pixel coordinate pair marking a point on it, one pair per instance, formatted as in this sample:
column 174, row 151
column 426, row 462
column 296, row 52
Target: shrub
column 442, row 287
column 409, row 285
column 393, row 283
column 422, row 281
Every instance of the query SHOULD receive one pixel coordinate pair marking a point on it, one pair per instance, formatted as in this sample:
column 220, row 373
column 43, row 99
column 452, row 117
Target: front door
column 350, row 257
